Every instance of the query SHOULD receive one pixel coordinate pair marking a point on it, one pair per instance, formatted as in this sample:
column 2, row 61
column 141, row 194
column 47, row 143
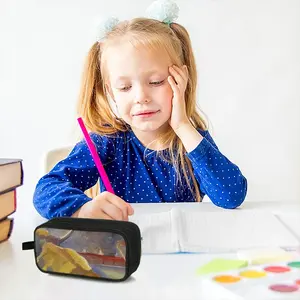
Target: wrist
column 189, row 136
column 182, row 128
column 76, row 213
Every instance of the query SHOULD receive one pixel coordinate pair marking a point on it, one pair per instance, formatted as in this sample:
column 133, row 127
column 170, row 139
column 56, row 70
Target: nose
column 141, row 95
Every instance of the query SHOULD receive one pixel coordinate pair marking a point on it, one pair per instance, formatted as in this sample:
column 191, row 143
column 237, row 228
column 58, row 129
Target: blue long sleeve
column 61, row 191
column 220, row 179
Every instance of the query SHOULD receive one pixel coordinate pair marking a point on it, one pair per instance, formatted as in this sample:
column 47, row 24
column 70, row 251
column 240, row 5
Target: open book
column 227, row 230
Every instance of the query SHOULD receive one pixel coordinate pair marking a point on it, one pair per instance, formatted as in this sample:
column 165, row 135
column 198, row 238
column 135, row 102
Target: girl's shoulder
column 104, row 140
column 107, row 145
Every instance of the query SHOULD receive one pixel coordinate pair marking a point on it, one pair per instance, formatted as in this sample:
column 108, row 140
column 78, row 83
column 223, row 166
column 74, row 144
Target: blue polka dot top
column 137, row 175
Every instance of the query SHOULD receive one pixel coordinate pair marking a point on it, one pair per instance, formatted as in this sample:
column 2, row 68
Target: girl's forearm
column 189, row 136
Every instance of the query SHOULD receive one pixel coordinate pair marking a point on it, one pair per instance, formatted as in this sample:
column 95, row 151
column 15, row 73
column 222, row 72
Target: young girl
column 158, row 149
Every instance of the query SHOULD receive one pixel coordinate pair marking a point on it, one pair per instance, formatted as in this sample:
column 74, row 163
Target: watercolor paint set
column 276, row 281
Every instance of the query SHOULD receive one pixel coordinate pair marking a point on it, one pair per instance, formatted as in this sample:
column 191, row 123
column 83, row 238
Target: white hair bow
column 165, row 11
column 105, row 26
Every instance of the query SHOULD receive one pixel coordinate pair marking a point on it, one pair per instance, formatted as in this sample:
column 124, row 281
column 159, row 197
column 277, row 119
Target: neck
column 150, row 138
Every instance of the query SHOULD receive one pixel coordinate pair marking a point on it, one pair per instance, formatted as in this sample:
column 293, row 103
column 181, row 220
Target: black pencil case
column 96, row 248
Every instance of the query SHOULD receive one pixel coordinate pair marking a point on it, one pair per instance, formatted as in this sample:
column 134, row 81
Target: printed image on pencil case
column 102, row 249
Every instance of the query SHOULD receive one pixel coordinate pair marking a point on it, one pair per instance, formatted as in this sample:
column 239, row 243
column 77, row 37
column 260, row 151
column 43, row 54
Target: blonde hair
column 94, row 106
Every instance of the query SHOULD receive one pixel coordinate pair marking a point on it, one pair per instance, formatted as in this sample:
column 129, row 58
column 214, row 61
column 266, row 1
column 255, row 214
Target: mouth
column 146, row 113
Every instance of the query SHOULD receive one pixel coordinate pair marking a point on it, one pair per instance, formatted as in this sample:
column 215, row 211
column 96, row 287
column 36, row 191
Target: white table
column 158, row 276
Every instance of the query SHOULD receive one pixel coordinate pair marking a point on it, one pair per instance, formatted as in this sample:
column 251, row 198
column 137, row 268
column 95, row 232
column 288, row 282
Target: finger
column 177, row 76
column 105, row 216
column 130, row 210
column 173, row 85
column 121, row 204
column 97, row 213
column 181, row 70
column 113, row 211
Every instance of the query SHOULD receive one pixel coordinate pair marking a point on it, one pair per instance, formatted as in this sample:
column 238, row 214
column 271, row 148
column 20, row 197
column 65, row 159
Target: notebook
column 177, row 230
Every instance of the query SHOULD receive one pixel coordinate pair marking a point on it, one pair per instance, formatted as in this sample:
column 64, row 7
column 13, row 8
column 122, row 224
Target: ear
column 109, row 92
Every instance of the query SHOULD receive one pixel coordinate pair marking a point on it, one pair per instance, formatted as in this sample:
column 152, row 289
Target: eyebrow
column 145, row 73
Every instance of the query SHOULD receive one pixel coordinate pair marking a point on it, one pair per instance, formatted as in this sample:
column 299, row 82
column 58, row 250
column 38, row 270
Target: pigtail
column 93, row 105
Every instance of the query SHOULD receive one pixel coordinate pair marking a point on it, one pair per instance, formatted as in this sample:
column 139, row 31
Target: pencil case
column 96, row 248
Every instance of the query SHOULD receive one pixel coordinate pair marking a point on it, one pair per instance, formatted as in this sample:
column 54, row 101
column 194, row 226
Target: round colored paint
column 253, row 274
column 226, row 279
column 294, row 264
column 298, row 281
column 277, row 269
column 283, row 288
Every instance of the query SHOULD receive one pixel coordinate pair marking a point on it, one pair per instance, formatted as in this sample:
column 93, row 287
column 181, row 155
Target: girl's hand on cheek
column 178, row 82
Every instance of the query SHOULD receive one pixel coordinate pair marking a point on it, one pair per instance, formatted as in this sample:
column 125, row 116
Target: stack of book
column 11, row 177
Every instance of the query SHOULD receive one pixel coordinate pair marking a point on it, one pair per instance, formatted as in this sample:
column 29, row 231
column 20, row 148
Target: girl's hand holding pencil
column 106, row 206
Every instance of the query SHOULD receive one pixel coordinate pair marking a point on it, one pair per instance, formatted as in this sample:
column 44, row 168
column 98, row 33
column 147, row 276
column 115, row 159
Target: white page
column 159, row 235
column 229, row 230
column 291, row 221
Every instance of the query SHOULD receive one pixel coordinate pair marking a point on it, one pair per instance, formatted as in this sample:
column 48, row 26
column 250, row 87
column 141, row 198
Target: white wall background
column 248, row 55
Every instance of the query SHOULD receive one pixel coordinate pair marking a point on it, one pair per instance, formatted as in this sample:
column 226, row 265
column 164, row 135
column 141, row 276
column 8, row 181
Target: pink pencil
column 96, row 157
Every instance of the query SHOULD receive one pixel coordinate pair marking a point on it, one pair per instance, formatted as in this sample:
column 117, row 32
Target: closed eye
column 125, row 88
column 156, row 82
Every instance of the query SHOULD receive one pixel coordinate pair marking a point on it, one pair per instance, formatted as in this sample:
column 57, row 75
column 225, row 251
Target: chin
column 150, row 127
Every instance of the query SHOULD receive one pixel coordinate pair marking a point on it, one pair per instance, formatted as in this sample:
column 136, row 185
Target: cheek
column 124, row 108
column 168, row 108
column 166, row 97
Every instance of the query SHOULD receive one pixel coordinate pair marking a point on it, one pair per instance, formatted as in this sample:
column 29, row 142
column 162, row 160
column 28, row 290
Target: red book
column 8, row 203
column 6, row 227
